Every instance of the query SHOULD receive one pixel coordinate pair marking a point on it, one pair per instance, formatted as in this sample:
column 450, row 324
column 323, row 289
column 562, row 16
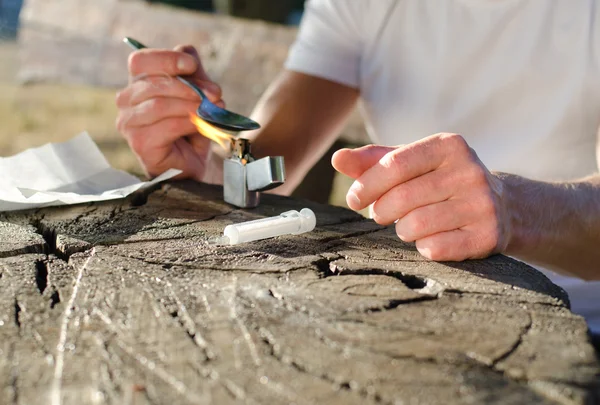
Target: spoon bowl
column 208, row 111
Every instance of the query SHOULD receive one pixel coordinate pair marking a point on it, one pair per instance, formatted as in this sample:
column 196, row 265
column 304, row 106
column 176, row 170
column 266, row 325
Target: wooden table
column 124, row 302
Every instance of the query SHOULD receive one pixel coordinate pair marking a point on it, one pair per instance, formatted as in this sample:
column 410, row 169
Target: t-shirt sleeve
column 329, row 41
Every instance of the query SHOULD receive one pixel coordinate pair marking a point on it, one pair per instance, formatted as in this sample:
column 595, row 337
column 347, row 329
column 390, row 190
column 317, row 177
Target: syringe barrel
column 290, row 222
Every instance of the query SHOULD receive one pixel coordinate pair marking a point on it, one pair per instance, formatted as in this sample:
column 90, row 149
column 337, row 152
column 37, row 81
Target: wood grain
column 125, row 303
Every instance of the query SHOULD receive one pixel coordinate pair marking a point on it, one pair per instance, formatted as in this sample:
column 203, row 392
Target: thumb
column 201, row 78
column 354, row 162
column 191, row 50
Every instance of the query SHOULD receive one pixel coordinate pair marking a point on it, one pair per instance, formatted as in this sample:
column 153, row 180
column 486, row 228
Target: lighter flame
column 211, row 132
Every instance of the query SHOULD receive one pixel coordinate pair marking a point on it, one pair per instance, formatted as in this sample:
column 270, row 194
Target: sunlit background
column 62, row 61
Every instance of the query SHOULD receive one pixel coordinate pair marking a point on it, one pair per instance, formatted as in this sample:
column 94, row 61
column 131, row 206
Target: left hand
column 439, row 192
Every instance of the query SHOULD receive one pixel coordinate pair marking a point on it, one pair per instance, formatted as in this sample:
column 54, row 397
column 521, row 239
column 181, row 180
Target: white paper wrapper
column 72, row 172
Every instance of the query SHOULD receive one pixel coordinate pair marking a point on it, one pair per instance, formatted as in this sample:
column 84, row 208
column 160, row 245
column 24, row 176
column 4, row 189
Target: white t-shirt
column 519, row 79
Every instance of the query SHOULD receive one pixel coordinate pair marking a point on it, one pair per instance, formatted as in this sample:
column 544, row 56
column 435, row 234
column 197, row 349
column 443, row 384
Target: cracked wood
column 125, row 302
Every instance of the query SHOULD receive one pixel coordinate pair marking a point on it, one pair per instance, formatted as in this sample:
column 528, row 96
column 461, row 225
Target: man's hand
column 154, row 111
column 438, row 191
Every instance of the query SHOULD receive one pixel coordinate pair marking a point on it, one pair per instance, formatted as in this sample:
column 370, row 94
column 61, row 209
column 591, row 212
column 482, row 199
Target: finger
column 154, row 86
column 154, row 62
column 433, row 187
column 200, row 73
column 434, row 218
column 399, row 166
column 354, row 162
column 157, row 139
column 164, row 86
column 201, row 78
column 154, row 110
column 457, row 245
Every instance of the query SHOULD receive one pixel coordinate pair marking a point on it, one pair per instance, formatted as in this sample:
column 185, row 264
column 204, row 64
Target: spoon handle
column 138, row 45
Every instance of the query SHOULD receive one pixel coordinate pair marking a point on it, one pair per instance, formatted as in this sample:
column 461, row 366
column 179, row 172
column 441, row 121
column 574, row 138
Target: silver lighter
column 244, row 177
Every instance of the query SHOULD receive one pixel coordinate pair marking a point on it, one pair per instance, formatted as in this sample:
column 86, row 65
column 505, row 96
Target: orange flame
column 211, row 132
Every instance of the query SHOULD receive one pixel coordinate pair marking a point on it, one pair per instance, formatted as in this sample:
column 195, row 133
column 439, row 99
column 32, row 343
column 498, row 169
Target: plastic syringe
column 288, row 223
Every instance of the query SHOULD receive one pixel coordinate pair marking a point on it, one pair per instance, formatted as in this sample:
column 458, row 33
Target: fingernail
column 352, row 200
column 425, row 252
column 186, row 64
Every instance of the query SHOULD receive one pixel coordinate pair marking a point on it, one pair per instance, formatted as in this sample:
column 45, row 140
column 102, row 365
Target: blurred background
column 62, row 61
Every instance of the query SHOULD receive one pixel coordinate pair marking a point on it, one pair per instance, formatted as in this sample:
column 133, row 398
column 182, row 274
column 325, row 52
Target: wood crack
column 148, row 365
column 17, row 313
column 409, row 280
column 349, row 235
column 342, row 384
column 14, row 376
column 516, row 345
column 393, row 304
column 187, row 323
column 461, row 293
column 41, row 276
column 48, row 233
column 140, row 197
column 54, row 299
column 56, row 394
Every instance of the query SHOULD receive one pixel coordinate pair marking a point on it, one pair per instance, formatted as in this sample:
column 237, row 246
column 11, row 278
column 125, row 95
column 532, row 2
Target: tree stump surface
column 125, row 302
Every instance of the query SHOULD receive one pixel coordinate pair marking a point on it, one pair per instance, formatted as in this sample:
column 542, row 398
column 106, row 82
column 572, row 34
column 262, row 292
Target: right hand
column 154, row 111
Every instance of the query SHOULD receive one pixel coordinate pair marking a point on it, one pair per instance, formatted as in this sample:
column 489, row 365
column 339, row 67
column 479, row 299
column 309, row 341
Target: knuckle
column 484, row 241
column 155, row 106
column 395, row 162
column 171, row 63
column 455, row 143
column 369, row 148
column 401, row 193
column 416, row 225
column 476, row 175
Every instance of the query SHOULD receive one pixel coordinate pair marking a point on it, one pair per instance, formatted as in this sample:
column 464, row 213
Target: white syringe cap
column 287, row 223
column 308, row 221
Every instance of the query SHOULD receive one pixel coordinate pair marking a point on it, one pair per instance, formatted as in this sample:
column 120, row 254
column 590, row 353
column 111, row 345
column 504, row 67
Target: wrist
column 519, row 213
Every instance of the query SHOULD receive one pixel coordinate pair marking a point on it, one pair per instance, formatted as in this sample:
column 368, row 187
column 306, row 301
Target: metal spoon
column 209, row 112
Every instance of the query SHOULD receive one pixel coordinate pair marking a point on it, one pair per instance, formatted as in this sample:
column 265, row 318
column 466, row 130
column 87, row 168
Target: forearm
column 555, row 225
